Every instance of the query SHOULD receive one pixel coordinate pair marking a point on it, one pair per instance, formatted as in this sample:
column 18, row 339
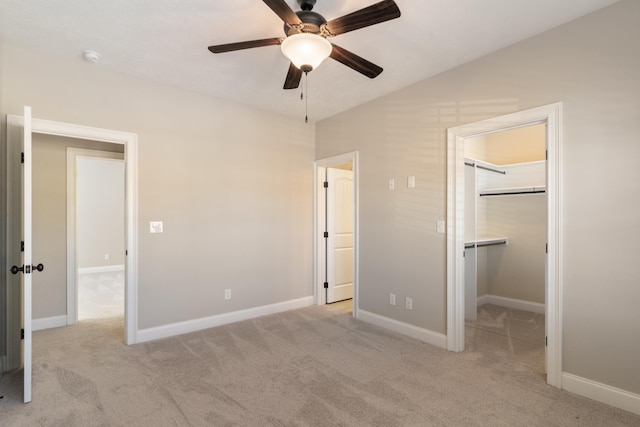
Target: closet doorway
column 549, row 117
column 505, row 239
column 95, row 234
column 505, row 220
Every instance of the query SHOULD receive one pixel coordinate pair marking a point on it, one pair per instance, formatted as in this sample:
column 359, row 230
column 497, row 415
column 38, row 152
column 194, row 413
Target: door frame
column 73, row 154
column 130, row 142
column 551, row 115
column 319, row 213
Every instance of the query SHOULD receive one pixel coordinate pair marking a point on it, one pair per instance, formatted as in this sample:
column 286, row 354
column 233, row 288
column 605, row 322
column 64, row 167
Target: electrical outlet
column 392, row 299
column 107, row 257
column 440, row 226
column 227, row 294
column 408, row 303
column 392, row 184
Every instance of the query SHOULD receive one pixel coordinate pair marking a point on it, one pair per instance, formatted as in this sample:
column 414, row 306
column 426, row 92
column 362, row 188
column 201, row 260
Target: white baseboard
column 101, row 269
column 194, row 325
column 425, row 335
column 601, row 392
column 49, row 322
column 518, row 304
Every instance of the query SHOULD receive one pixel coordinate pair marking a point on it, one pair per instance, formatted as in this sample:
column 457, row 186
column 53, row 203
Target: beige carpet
column 310, row 367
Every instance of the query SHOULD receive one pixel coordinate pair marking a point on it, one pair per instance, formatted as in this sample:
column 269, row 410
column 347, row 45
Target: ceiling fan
column 306, row 43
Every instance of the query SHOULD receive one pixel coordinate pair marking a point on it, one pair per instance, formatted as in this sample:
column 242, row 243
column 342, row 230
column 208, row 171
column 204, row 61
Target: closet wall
column 510, row 220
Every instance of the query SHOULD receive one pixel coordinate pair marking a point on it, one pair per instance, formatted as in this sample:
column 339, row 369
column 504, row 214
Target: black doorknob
column 15, row 269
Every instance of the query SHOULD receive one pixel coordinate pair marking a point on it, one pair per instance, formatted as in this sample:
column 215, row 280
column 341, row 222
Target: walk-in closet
column 505, row 238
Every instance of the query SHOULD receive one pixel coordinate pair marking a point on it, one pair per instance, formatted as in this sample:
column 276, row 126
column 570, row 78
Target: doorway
column 551, row 117
column 505, row 236
column 95, row 234
column 49, row 128
column 336, row 230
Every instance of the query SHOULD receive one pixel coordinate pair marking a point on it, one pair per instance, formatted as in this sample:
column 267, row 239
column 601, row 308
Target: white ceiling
column 166, row 41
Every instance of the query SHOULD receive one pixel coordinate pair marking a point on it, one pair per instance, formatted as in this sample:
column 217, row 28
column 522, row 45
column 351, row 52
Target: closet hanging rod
column 501, row 242
column 486, row 168
column 481, row 244
column 515, row 192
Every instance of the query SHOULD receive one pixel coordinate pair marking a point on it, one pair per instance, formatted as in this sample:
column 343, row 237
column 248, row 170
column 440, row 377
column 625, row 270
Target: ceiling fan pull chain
column 306, row 98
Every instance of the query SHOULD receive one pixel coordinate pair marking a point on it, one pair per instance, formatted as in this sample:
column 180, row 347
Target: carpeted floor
column 316, row 366
column 100, row 295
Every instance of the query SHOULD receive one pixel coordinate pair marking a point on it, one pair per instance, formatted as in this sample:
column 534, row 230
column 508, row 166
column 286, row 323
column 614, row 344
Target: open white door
column 26, row 268
column 340, row 235
column 26, row 257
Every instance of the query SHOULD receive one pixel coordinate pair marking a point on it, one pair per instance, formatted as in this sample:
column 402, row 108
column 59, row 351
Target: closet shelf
column 486, row 241
column 513, row 191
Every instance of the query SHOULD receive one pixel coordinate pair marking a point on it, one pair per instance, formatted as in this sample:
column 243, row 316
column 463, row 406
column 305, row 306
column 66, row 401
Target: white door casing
column 551, row 115
column 339, row 208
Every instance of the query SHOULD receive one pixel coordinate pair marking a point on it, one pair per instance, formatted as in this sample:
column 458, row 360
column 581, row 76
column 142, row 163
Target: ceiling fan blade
column 293, row 77
column 282, row 9
column 229, row 47
column 374, row 14
column 355, row 62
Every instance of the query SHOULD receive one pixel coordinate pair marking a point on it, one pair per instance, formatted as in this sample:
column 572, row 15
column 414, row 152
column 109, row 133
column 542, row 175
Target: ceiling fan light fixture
column 306, row 50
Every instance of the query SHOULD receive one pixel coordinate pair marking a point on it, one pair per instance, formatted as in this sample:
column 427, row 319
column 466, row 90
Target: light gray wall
column 100, row 212
column 232, row 184
column 591, row 65
column 50, row 220
column 517, row 270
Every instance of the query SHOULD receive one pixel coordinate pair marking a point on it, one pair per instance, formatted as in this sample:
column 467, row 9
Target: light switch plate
column 411, row 182
column 440, row 226
column 155, row 227
column 409, row 303
column 392, row 184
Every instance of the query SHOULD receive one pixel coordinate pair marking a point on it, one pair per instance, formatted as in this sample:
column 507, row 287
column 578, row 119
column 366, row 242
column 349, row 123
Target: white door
column 339, row 235
column 25, row 269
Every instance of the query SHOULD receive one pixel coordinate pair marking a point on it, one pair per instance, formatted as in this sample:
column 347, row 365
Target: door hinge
column 546, row 248
column 546, row 154
column 22, row 157
column 326, row 234
column 326, row 184
column 546, row 341
column 326, row 285
column 21, row 334
column 464, row 254
column 22, row 246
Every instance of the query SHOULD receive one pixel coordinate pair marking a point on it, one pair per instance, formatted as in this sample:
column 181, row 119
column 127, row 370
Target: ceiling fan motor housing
column 312, row 22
